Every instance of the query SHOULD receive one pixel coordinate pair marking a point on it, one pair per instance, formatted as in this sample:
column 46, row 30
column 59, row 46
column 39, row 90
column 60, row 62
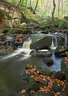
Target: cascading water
column 25, row 50
column 66, row 41
column 54, row 42
column 58, row 40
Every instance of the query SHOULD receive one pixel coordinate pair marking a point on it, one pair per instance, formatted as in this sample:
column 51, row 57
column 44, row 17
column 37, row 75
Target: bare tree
column 62, row 8
column 30, row 5
column 58, row 7
column 53, row 13
column 36, row 6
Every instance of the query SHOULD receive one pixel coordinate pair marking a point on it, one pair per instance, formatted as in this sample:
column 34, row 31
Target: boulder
column 57, row 86
column 61, row 51
column 41, row 43
column 44, row 71
column 42, row 93
column 60, row 75
column 41, row 53
column 67, row 90
column 64, row 67
column 48, row 61
column 32, row 85
column 60, row 94
column 43, row 82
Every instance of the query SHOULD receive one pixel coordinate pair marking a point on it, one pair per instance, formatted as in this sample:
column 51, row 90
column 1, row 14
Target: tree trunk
column 62, row 9
column 26, row 3
column 53, row 13
column 30, row 4
column 36, row 6
column 19, row 3
column 58, row 7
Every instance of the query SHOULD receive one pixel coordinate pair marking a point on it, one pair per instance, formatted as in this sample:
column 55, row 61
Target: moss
column 63, row 24
column 48, row 23
column 2, row 13
column 59, row 47
column 64, row 67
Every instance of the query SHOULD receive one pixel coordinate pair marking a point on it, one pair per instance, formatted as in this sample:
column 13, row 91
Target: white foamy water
column 25, row 50
column 53, row 46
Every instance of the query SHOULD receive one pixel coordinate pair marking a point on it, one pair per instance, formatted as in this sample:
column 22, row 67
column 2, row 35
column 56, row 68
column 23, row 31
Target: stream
column 13, row 65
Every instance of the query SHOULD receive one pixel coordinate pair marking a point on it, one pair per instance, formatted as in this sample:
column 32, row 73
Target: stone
column 41, row 43
column 61, row 51
column 48, row 61
column 59, row 75
column 41, row 53
column 64, row 67
column 32, row 85
column 44, row 71
column 60, row 94
column 57, row 86
column 43, row 82
column 42, row 93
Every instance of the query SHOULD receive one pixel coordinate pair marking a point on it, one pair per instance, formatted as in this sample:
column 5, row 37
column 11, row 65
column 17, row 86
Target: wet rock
column 42, row 93
column 64, row 67
column 23, row 94
column 57, row 86
column 67, row 90
column 44, row 71
column 41, row 53
column 60, row 94
column 59, row 75
column 43, row 82
column 39, row 44
column 48, row 61
column 32, row 85
column 61, row 51
column 25, row 76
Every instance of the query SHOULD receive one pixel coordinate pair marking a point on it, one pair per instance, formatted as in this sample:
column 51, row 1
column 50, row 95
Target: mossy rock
column 44, row 42
column 66, row 18
column 45, row 83
column 67, row 90
column 42, row 93
column 32, row 85
column 63, row 24
column 57, row 87
column 48, row 23
column 61, row 94
column 44, row 71
column 64, row 67
column 61, row 51
column 60, row 75
column 48, row 61
column 2, row 13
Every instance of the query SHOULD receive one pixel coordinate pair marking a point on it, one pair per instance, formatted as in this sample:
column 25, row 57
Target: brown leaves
column 23, row 91
column 37, row 76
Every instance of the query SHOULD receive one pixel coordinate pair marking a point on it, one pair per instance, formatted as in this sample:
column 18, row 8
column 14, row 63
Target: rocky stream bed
column 33, row 65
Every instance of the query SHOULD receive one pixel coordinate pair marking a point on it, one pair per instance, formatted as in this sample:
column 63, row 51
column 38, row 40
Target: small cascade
column 53, row 45
column 25, row 50
column 66, row 41
column 54, row 42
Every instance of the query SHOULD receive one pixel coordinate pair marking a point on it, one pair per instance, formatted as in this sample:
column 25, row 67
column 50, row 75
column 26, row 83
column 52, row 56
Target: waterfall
column 66, row 41
column 54, row 42
column 25, row 50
